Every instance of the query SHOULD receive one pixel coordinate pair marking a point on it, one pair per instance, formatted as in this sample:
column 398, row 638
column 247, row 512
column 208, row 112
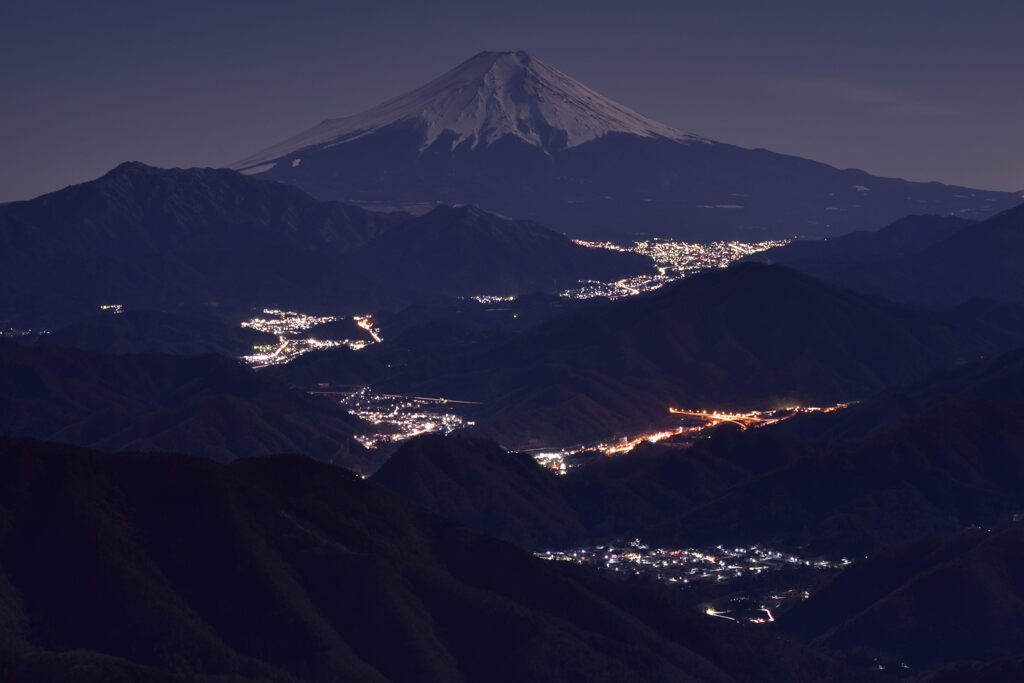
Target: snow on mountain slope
column 488, row 97
column 512, row 135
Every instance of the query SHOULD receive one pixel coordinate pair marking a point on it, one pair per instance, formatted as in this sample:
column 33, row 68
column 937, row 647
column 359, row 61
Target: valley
column 696, row 424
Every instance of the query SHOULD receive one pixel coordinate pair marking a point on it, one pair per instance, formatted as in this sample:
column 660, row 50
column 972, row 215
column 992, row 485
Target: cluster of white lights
column 688, row 567
column 399, row 417
column 290, row 327
column 672, row 260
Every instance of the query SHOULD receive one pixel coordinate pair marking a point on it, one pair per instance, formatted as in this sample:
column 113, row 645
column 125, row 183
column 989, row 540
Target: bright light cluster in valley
column 693, row 567
column 672, row 261
column 290, row 327
column 18, row 333
column 695, row 422
column 490, row 299
column 400, row 417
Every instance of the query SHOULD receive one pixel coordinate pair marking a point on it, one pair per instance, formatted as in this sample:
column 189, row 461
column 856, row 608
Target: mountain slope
column 465, row 251
column 309, row 574
column 823, row 258
column 750, row 336
column 511, row 134
column 172, row 239
column 216, row 241
column 929, row 602
column 204, row 405
column 935, row 457
column 491, row 96
column 480, row 484
column 155, row 332
column 979, row 261
column 932, row 458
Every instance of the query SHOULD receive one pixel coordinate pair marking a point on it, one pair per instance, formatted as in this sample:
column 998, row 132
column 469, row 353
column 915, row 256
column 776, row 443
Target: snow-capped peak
column 488, row 97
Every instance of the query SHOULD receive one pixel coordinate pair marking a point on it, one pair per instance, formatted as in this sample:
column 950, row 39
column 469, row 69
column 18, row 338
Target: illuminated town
column 719, row 566
column 365, row 323
column 398, row 417
column 490, row 299
column 672, row 260
column 694, row 423
column 290, row 327
column 19, row 333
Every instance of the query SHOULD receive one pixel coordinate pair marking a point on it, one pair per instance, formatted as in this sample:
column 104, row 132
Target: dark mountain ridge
column 172, row 238
column 935, row 266
column 144, row 208
column 464, row 250
column 148, row 331
column 747, row 337
column 284, row 569
column 936, row 457
column 821, row 258
column 203, row 405
column 215, row 240
column 929, row 602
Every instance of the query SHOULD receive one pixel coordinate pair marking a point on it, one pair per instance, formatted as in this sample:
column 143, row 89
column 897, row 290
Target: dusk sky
column 926, row 90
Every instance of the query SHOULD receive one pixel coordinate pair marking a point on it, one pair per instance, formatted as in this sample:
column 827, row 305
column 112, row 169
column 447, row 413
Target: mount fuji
column 511, row 134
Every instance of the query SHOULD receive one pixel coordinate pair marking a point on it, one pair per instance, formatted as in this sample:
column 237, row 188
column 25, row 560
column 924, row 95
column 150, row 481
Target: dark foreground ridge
column 930, row 601
column 164, row 567
column 202, row 405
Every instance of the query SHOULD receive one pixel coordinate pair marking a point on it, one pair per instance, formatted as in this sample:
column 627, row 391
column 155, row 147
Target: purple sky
column 922, row 89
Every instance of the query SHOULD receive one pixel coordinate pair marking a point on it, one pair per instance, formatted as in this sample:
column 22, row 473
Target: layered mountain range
column 919, row 487
column 214, row 240
column 284, row 569
column 926, row 260
column 511, row 134
column 939, row 456
column 748, row 337
column 170, row 513
column 204, row 405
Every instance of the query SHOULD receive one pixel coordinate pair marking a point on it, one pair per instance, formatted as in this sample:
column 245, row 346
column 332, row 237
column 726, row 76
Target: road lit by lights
column 755, row 418
column 697, row 421
column 712, row 612
column 290, row 328
column 718, row 566
column 365, row 323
